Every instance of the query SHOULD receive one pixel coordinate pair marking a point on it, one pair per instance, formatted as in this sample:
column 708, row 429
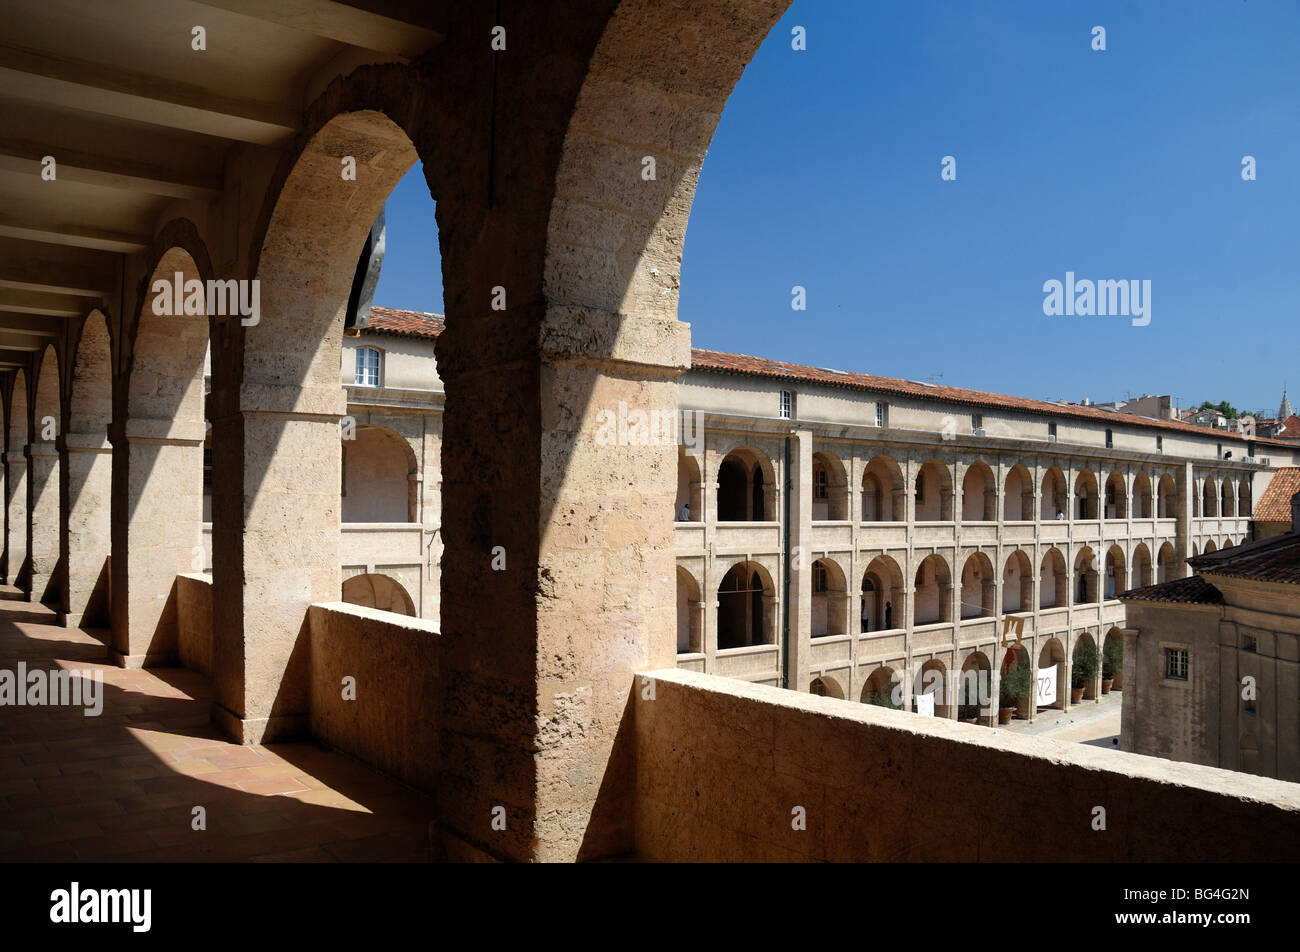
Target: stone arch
column 826, row 686
column 978, row 587
column 1142, row 496
column 1053, row 654
column 1116, row 496
column 687, row 505
column 42, row 582
column 975, row 686
column 86, row 541
column 883, row 491
column 1244, row 506
column 830, row 599
column 378, row 591
column 1166, row 497
column 1209, row 498
column 1054, row 580
column 379, row 476
column 932, row 599
column 1210, row 546
column 830, row 488
column 933, row 492
column 1085, row 577
column 1142, row 575
column 16, row 482
column 979, row 494
column 746, row 486
column 1018, row 654
column 1165, row 563
column 1018, row 583
column 1115, row 572
column 932, row 678
column 1113, row 647
column 746, row 607
column 1089, row 686
column 1085, row 495
column 881, row 687
column 1227, row 498
column 882, row 595
column 690, row 613
column 1018, row 495
column 1055, row 499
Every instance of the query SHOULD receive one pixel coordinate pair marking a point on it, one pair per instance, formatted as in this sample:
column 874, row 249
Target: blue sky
column 1123, row 164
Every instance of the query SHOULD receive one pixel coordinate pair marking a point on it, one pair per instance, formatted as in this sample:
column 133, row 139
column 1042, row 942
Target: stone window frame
column 1165, row 648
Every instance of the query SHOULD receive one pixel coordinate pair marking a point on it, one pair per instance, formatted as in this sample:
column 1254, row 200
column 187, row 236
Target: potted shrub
column 884, row 698
column 1016, row 683
column 1084, row 670
column 1112, row 660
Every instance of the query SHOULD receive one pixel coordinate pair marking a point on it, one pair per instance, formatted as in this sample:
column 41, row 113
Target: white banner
column 1046, row 686
column 925, row 704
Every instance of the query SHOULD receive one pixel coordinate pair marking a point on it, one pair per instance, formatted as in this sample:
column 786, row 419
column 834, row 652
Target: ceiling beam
column 58, row 269
column 36, row 325
column 96, row 87
column 398, row 29
column 70, row 235
column 87, row 168
column 36, row 303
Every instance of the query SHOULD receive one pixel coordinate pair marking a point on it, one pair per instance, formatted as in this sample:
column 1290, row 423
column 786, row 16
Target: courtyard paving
column 123, row 785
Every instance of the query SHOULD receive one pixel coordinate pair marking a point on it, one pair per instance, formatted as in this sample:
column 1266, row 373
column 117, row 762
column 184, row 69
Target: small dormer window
column 368, row 360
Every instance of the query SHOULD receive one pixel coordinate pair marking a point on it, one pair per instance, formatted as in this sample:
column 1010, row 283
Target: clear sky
column 1122, row 164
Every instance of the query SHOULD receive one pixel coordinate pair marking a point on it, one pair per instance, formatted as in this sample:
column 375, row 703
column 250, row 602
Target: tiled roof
column 1290, row 428
column 1193, row 590
column 779, row 370
column 386, row 320
column 1275, row 503
column 1276, row 559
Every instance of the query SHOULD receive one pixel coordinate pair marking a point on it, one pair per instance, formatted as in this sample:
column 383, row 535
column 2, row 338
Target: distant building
column 1272, row 513
column 1209, row 672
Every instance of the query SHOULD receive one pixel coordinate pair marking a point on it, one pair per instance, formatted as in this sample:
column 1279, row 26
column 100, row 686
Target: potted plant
column 1112, row 660
column 883, row 698
column 1016, row 683
column 1084, row 670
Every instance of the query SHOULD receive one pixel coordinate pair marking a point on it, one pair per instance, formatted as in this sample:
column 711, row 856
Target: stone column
column 16, row 569
column 86, row 530
column 43, row 524
column 1128, row 716
column 157, row 532
column 801, row 454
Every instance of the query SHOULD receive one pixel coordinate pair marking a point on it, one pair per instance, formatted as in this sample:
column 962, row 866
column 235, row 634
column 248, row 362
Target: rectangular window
column 819, row 578
column 367, row 373
column 787, row 405
column 1110, row 440
column 976, row 423
column 1160, row 444
column 207, row 467
column 882, row 415
column 820, row 488
column 1175, row 664
column 1051, row 432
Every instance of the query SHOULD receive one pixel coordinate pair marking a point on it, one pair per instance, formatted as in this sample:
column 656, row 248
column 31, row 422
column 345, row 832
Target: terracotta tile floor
column 122, row 786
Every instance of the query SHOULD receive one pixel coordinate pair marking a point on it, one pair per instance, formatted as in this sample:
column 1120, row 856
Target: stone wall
column 194, row 622
column 391, row 721
column 722, row 767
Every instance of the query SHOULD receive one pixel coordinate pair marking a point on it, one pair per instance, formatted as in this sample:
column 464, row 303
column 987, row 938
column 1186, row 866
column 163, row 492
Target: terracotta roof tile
column 386, row 320
column 1193, row 590
column 1275, row 502
column 1276, row 559
column 1290, row 428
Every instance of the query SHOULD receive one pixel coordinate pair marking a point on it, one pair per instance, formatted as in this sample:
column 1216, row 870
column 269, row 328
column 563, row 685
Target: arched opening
column 882, row 491
column 826, row 686
column 1018, row 495
column 1142, row 495
column 1116, row 571
column 979, row 500
column 1142, row 576
column 1112, row 661
column 746, row 607
column 687, row 504
column 1165, row 570
column 1051, row 676
column 1227, row 499
column 830, row 489
column 380, row 477
column 690, row 614
column 1016, row 657
column 1209, row 499
column 158, row 471
column 88, row 528
column 975, row 688
column 933, row 597
column 1085, row 495
column 1018, row 583
column 1085, row 577
column 1167, row 496
column 1116, row 496
column 1209, row 547
column 1053, row 581
column 1055, row 504
column 1084, row 666
column 746, row 489
column 830, row 599
column 1227, row 544
column 934, row 493
column 379, row 592
column 43, row 483
column 16, row 569
column 883, row 689
column 931, row 688
column 978, row 587
column 1244, row 507
column 882, row 588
